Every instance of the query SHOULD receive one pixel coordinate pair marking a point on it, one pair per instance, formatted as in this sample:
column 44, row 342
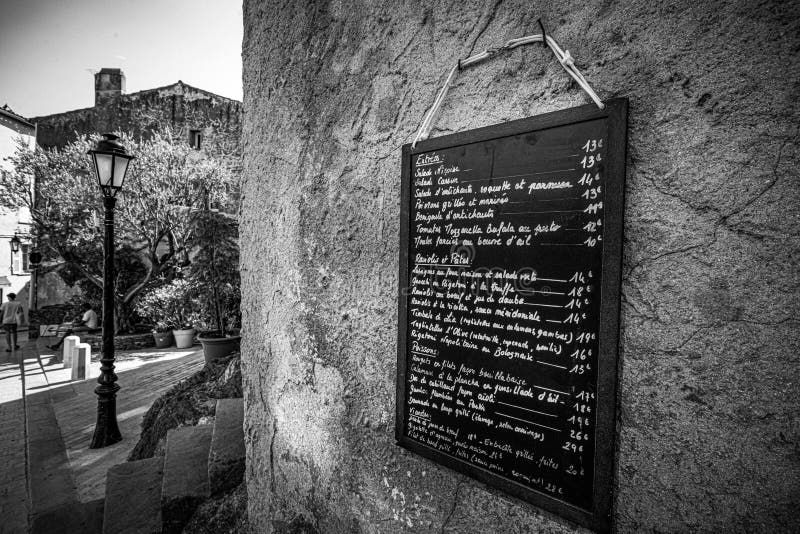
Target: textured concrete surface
column 20, row 372
column 13, row 484
column 185, row 482
column 133, row 497
column 708, row 426
column 14, row 502
column 227, row 453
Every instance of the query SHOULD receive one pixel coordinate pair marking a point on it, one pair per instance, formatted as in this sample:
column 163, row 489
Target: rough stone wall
column 708, row 426
column 178, row 106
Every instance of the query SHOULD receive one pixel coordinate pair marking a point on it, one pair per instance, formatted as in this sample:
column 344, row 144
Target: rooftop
column 8, row 113
column 184, row 87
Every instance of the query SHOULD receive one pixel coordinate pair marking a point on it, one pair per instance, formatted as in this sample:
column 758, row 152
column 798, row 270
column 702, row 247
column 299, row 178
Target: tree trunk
column 123, row 319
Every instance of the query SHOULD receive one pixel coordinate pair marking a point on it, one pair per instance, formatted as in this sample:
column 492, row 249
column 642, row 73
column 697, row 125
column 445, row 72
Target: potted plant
column 214, row 275
column 184, row 337
column 181, row 312
column 163, row 335
column 151, row 307
column 168, row 307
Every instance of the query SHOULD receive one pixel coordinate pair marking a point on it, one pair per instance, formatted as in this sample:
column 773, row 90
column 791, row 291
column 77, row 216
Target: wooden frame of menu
column 595, row 512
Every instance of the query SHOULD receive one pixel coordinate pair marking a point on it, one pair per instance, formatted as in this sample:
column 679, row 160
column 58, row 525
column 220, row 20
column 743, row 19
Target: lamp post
column 35, row 258
column 110, row 161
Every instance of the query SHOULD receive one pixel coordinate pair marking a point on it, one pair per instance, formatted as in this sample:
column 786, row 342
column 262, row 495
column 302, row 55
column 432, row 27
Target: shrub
column 168, row 307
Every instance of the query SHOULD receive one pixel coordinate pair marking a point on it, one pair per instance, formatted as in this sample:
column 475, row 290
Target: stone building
column 207, row 120
column 707, row 428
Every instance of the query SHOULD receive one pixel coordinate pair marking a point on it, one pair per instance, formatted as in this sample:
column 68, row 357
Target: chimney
column 108, row 85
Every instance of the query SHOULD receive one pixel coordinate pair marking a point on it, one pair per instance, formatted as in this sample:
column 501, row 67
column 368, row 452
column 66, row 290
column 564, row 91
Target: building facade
column 707, row 427
column 15, row 270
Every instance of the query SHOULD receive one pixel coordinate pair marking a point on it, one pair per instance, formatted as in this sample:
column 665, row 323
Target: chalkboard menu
column 510, row 261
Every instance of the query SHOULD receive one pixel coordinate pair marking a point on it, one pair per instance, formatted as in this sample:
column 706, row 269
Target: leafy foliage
column 214, row 271
column 167, row 186
column 169, row 306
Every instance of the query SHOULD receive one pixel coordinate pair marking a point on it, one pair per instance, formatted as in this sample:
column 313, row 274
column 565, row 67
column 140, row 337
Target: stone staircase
column 160, row 494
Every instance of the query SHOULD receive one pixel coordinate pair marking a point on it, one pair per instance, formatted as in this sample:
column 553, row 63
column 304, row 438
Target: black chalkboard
column 510, row 256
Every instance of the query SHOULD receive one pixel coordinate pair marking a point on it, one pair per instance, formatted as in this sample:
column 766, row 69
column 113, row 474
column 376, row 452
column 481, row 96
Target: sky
column 50, row 49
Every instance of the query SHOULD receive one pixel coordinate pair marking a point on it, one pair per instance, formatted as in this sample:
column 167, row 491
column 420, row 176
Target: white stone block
column 81, row 363
column 70, row 342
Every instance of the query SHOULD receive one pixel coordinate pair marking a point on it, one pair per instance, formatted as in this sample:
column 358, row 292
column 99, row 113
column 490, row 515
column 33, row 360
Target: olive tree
column 167, row 186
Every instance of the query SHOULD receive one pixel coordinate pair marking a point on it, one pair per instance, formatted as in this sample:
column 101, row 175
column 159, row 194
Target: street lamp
column 110, row 160
column 15, row 244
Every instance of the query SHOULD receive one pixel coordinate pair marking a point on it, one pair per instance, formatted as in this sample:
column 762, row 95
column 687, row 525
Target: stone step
column 133, row 497
column 185, row 483
column 226, row 456
column 86, row 518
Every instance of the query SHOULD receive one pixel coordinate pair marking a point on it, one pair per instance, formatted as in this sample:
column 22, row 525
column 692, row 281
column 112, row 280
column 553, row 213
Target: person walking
column 12, row 314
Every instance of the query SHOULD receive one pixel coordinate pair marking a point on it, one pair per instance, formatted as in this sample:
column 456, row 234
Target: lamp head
column 15, row 244
column 35, row 257
column 110, row 161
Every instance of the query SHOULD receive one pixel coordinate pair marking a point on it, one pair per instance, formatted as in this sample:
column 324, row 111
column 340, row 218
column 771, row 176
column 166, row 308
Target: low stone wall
column 51, row 314
column 47, row 315
column 121, row 342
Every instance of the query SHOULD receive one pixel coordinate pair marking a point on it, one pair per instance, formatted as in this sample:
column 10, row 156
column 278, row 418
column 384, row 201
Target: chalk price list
column 503, row 307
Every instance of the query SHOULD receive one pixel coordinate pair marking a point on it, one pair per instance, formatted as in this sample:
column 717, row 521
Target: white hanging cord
column 563, row 57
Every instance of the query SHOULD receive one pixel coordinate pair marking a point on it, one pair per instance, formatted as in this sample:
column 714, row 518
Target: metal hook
column 544, row 36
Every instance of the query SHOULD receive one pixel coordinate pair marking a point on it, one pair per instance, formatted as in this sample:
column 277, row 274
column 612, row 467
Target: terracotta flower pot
column 163, row 339
column 184, row 338
column 215, row 348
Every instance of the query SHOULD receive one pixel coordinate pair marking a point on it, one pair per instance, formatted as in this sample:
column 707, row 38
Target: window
column 20, row 263
column 195, row 139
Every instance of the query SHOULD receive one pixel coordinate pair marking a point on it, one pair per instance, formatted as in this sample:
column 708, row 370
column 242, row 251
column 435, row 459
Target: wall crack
column 453, row 507
column 485, row 26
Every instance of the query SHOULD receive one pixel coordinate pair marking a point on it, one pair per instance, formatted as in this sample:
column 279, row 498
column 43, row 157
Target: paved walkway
column 56, row 483
column 13, row 481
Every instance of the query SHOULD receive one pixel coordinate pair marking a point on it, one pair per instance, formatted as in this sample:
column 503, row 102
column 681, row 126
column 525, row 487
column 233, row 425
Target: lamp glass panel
column 120, row 167
column 103, row 163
